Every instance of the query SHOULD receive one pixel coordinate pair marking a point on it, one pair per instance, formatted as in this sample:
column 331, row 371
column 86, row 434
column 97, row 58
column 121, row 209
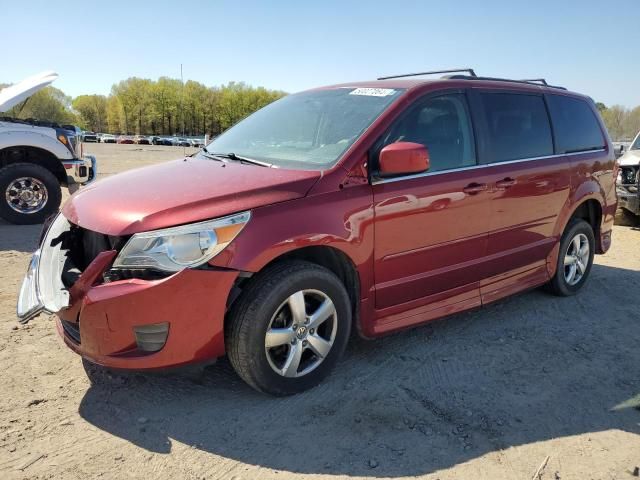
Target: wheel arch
column 35, row 155
column 325, row 256
column 590, row 210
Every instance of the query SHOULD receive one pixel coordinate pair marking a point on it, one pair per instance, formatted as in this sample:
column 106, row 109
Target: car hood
column 179, row 192
column 14, row 94
column 632, row 157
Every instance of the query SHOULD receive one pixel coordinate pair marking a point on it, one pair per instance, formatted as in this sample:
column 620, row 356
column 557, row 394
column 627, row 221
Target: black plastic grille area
column 93, row 244
column 82, row 247
column 72, row 330
column 628, row 174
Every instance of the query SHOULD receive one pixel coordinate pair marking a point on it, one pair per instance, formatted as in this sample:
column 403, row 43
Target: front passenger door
column 431, row 228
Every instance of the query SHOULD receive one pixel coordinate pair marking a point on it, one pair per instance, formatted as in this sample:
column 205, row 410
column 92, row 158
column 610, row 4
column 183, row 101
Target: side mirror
column 618, row 151
column 403, row 158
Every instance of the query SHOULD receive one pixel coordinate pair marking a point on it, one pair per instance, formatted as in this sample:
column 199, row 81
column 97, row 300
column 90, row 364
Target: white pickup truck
column 628, row 183
column 37, row 158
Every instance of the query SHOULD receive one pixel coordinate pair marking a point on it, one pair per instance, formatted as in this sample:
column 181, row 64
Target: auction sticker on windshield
column 373, row 92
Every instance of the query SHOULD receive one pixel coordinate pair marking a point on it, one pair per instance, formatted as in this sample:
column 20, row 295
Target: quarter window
column 518, row 126
column 575, row 125
column 442, row 125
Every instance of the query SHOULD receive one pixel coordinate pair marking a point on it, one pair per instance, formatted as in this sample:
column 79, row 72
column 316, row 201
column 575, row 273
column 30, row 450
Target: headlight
column 172, row 249
column 68, row 139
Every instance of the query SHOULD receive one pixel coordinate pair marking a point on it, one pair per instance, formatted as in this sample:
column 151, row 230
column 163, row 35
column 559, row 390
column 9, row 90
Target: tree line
column 167, row 107
column 147, row 107
column 623, row 123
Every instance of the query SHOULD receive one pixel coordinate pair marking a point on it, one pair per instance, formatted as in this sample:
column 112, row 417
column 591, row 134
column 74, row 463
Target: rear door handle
column 474, row 188
column 506, row 183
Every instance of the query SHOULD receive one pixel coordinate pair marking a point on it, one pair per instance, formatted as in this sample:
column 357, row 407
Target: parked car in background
column 141, row 140
column 89, row 137
column 628, row 182
column 108, row 138
column 126, row 139
column 401, row 201
column 155, row 140
column 37, row 158
column 197, row 143
column 182, row 142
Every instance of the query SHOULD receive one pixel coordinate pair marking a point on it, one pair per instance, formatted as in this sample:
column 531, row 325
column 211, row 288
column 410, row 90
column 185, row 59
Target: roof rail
column 537, row 81
column 455, row 70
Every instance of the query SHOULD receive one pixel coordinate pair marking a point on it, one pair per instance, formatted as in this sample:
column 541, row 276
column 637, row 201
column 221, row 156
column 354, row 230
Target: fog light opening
column 151, row 338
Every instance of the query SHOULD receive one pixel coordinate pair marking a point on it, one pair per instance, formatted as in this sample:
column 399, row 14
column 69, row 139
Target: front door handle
column 474, row 188
column 505, row 183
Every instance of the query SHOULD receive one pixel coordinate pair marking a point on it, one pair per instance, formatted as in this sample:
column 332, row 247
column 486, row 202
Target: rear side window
column 518, row 126
column 575, row 125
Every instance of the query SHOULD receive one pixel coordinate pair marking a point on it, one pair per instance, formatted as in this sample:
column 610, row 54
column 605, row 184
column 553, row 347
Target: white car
column 628, row 182
column 108, row 138
column 37, row 158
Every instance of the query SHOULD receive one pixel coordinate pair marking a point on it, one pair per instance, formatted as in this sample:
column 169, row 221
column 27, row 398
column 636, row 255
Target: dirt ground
column 490, row 394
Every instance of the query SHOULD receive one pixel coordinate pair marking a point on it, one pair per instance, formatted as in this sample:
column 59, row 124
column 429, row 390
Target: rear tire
column 575, row 259
column 289, row 328
column 29, row 193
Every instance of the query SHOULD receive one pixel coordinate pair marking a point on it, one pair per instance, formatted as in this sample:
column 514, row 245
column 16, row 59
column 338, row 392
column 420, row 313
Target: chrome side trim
column 473, row 167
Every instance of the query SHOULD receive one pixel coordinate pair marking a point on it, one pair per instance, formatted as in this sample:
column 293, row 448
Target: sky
column 592, row 47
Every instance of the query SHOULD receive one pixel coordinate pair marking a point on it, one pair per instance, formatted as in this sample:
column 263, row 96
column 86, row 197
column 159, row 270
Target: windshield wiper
column 238, row 158
column 213, row 156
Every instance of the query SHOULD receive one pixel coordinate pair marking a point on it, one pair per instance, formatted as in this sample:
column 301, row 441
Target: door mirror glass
column 618, row 150
column 403, row 158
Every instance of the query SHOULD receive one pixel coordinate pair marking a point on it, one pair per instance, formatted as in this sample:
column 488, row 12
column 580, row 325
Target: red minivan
column 369, row 207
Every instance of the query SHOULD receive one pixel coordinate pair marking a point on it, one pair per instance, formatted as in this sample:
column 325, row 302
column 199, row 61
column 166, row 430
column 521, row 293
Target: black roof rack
column 472, row 76
column 455, row 70
column 535, row 81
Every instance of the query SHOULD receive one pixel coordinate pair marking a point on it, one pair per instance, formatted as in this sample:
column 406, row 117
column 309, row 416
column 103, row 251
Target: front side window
column 575, row 125
column 308, row 130
column 636, row 144
column 443, row 126
column 518, row 126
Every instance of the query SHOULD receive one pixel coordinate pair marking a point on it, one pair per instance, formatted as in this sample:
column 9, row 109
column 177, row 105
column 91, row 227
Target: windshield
column 636, row 144
column 308, row 130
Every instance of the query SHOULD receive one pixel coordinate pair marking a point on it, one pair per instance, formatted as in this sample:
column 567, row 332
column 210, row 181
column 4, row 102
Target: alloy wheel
column 576, row 259
column 301, row 333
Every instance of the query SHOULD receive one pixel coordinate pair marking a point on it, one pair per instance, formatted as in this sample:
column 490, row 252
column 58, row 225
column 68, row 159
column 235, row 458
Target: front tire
column 289, row 328
column 577, row 248
column 29, row 193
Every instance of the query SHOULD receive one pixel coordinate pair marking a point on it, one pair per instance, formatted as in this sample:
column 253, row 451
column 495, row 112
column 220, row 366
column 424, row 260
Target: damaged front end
column 58, row 272
column 628, row 188
column 131, row 318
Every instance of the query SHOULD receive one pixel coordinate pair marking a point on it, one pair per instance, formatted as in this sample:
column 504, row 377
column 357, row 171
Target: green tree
column 143, row 106
column 92, row 110
column 238, row 100
column 115, row 115
column 631, row 123
column 613, row 118
column 134, row 95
